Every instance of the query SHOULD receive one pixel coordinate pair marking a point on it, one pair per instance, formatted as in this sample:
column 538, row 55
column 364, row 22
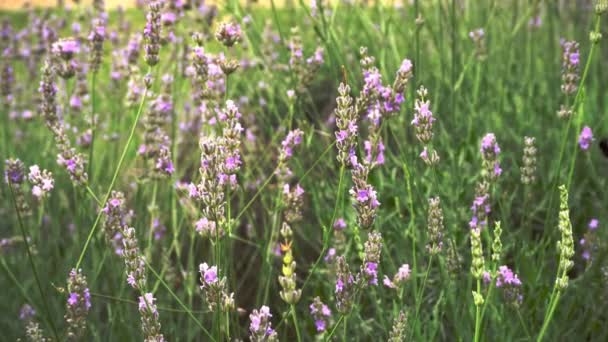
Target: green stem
column 327, row 231
column 90, row 191
column 477, row 314
column 295, row 322
column 120, row 162
column 93, row 124
column 32, row 265
column 200, row 325
column 419, row 295
column 333, row 331
column 546, row 322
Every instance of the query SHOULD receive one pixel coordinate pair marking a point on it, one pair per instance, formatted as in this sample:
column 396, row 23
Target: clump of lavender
column 481, row 206
column 96, row 38
column 74, row 163
column 435, row 226
column 528, row 168
column 346, row 123
column 392, row 97
column 260, row 328
column 231, row 135
column 585, row 138
column 570, row 66
column 345, row 286
column 399, row 279
column 34, row 333
column 156, row 148
column 291, row 141
column 116, row 216
column 135, row 264
column 228, row 33
column 371, row 259
column 566, row 244
column 7, row 80
column 510, row 284
column 26, row 313
column 423, row 124
column 80, row 96
column 14, row 176
column 220, row 161
column 304, row 69
column 320, row 313
column 215, row 289
column 210, row 190
column 570, row 75
column 132, row 51
column 590, row 243
column 149, row 319
column 364, row 195
column 489, row 153
column 117, row 229
column 399, row 331
column 152, row 32
column 77, row 306
column 42, row 181
column 293, row 199
column 478, row 36
column 64, row 51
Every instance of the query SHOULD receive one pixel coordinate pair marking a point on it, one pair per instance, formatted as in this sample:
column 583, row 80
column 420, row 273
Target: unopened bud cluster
column 566, row 244
column 528, row 169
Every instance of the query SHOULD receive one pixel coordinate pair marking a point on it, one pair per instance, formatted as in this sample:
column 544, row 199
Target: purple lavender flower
column 320, row 313
column 150, row 323
column 96, row 39
column 42, row 182
column 593, row 224
column 585, row 138
column 78, row 304
column 590, row 242
column 490, row 152
column 27, row 313
column 293, row 139
column 260, row 328
column 402, row 276
column 152, row 32
column 228, row 33
column 509, row 282
column 66, row 48
column 570, row 67
column 209, row 274
column 340, row 224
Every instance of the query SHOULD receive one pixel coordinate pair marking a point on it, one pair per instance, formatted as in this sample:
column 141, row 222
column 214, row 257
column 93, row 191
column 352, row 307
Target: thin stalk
column 327, row 230
column 546, row 322
column 333, row 331
column 477, row 314
column 200, row 325
column 90, row 192
column 152, row 209
column 120, row 162
column 93, row 124
column 419, row 296
column 295, row 322
column 32, row 265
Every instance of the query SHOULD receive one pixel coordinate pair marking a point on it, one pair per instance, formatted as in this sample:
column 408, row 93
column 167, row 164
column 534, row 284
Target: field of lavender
column 433, row 171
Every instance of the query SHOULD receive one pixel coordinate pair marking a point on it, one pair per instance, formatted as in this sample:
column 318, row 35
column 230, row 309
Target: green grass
column 514, row 92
